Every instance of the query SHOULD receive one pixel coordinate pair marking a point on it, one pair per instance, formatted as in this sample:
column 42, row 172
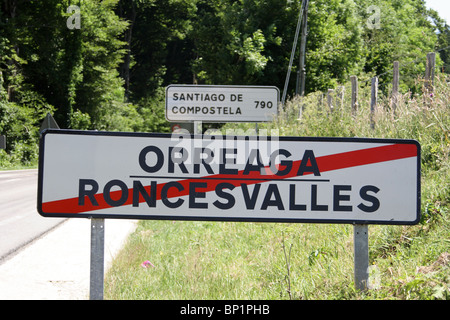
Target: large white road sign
column 271, row 179
column 221, row 103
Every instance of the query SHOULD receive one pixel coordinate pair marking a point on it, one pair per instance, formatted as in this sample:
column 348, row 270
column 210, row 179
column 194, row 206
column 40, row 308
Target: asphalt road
column 46, row 258
column 20, row 223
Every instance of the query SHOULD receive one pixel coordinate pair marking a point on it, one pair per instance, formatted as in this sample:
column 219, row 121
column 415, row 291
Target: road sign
column 206, row 103
column 48, row 123
column 188, row 177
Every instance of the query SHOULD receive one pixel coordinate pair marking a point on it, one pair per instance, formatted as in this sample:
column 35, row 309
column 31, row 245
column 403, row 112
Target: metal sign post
column 361, row 245
column 198, row 127
column 97, row 259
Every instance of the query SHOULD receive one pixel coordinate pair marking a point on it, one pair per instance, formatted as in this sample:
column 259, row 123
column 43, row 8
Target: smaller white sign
column 221, row 103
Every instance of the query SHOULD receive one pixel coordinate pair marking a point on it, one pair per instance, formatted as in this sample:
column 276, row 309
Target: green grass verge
column 231, row 260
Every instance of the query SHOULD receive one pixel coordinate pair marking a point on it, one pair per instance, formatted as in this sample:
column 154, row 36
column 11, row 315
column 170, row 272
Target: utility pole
column 301, row 74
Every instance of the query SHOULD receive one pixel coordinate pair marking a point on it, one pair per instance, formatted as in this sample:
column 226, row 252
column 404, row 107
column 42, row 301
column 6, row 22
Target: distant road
column 20, row 223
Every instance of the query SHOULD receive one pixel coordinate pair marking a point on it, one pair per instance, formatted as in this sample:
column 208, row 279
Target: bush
column 20, row 124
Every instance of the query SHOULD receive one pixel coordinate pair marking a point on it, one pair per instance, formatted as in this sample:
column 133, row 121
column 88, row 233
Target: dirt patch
column 442, row 261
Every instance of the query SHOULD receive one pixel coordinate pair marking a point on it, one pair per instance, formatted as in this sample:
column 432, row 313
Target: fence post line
column 395, row 84
column 373, row 100
column 320, row 99
column 429, row 72
column 354, row 81
column 340, row 95
column 330, row 99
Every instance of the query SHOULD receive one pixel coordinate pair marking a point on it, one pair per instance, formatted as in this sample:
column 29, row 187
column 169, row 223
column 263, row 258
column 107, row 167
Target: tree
column 21, row 106
column 442, row 29
column 101, row 93
column 405, row 34
column 334, row 48
column 156, row 30
column 75, row 69
column 235, row 42
column 248, row 42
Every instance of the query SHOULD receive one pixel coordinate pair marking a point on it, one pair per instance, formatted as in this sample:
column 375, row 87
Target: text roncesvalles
column 264, row 195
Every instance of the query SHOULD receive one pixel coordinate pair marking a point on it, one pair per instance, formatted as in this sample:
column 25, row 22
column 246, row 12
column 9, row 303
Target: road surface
column 46, row 258
column 20, row 223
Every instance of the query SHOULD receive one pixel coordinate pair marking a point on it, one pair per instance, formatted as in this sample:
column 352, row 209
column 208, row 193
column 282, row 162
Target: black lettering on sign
column 107, row 193
column 82, row 192
column 314, row 205
column 205, row 161
column 194, row 194
column 375, row 202
column 338, row 197
column 249, row 166
column 250, row 201
column 173, row 151
column 219, row 191
column 272, row 189
column 139, row 189
column 165, row 194
column 292, row 204
column 225, row 160
column 308, row 156
column 143, row 160
column 284, row 167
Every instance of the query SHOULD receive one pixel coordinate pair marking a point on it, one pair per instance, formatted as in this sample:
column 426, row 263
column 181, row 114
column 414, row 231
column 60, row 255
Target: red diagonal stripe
column 325, row 163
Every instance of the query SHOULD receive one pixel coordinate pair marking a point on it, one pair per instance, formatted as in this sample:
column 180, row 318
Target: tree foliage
column 108, row 72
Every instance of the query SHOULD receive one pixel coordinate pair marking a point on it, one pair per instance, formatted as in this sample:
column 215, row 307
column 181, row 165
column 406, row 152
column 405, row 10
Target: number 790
column 263, row 104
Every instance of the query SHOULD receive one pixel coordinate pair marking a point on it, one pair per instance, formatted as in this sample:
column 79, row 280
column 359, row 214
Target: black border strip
column 231, row 219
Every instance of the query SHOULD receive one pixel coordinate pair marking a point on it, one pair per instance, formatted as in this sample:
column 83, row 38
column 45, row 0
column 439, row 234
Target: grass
column 229, row 260
column 232, row 260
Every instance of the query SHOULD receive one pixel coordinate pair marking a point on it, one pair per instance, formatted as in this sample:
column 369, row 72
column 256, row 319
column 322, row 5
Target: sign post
column 359, row 181
column 361, row 247
column 198, row 127
column 97, row 259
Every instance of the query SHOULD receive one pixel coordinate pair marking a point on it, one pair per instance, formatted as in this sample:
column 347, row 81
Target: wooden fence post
column 429, row 72
column 330, row 99
column 320, row 99
column 373, row 100
column 395, row 84
column 354, row 81
column 340, row 97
